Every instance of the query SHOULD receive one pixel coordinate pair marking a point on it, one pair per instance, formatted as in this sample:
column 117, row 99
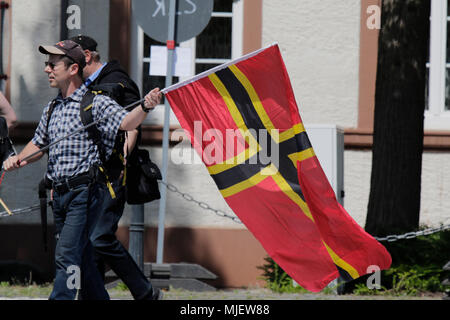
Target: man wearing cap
column 72, row 163
column 107, row 247
column 96, row 71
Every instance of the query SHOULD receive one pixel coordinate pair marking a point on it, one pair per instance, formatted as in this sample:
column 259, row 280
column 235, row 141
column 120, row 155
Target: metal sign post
column 169, row 76
column 184, row 20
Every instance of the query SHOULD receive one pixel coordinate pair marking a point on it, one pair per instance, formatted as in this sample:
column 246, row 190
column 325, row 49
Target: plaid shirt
column 76, row 154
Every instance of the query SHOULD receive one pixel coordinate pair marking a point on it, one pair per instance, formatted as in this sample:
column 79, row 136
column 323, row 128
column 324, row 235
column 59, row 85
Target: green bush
column 404, row 280
column 277, row 279
column 415, row 280
column 417, row 268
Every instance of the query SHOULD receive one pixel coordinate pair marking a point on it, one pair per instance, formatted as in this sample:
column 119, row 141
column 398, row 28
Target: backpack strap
column 112, row 90
column 86, row 118
column 50, row 112
column 94, row 134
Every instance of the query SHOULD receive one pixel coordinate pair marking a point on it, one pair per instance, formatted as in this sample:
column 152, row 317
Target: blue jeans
column 75, row 214
column 109, row 250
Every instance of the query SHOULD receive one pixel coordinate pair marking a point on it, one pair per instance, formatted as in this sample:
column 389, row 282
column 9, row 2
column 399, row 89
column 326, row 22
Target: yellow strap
column 111, row 190
column 124, row 181
column 88, row 107
column 5, row 206
column 108, row 184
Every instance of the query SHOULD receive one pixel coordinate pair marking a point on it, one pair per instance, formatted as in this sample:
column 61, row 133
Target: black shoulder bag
column 142, row 178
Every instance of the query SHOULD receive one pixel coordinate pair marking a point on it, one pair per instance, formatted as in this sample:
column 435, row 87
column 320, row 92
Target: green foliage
column 405, row 280
column 433, row 249
column 417, row 268
column 121, row 286
column 277, row 279
column 415, row 280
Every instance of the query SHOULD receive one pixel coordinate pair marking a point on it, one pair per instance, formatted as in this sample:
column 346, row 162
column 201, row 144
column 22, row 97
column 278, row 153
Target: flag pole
column 43, row 149
column 168, row 87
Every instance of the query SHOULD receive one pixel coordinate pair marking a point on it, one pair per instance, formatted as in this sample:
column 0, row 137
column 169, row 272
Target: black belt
column 72, row 183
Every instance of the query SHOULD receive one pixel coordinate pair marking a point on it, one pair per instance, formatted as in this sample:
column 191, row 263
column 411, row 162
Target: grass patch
column 30, row 291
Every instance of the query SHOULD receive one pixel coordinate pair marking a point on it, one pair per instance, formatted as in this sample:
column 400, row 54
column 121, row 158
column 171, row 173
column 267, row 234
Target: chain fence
column 223, row 214
column 201, row 204
column 412, row 235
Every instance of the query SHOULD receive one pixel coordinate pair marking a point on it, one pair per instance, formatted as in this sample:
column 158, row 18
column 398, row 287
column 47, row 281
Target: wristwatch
column 147, row 110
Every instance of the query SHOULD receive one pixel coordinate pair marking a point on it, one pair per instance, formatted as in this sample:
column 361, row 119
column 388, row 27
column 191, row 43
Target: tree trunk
column 394, row 201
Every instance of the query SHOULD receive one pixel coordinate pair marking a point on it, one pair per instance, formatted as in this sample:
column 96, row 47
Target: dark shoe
column 157, row 294
column 153, row 294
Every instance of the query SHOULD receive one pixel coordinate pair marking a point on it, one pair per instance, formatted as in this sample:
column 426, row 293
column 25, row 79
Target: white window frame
column 138, row 59
column 236, row 37
column 436, row 117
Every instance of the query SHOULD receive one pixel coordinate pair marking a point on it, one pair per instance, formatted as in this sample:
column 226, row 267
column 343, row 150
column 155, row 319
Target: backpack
column 140, row 175
column 111, row 168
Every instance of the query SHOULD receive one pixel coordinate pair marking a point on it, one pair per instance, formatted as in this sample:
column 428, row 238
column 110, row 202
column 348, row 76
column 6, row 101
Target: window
column 218, row 43
column 437, row 109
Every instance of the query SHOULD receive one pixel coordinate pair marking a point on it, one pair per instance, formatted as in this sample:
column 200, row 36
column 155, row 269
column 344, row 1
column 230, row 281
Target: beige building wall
column 320, row 43
column 38, row 22
column 32, row 23
column 435, row 197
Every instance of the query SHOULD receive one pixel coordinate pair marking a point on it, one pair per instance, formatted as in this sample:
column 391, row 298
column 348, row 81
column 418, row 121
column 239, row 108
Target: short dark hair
column 69, row 61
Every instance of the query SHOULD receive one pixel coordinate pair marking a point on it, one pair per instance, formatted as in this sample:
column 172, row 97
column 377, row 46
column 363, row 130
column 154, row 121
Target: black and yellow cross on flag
column 256, row 149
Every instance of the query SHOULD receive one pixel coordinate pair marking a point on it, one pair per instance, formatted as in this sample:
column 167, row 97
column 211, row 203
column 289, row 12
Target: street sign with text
column 192, row 16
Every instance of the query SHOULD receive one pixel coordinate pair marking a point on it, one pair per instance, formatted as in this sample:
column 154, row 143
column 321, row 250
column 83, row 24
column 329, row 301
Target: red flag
column 244, row 122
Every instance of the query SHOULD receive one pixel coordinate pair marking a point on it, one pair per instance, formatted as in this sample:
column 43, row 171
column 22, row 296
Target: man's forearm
column 133, row 119
column 16, row 161
column 30, row 148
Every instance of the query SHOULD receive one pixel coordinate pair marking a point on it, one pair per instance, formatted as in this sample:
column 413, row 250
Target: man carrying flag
column 73, row 164
column 287, row 203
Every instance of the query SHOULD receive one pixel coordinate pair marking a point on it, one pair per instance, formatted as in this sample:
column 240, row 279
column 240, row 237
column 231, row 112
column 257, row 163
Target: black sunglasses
column 52, row 65
column 49, row 64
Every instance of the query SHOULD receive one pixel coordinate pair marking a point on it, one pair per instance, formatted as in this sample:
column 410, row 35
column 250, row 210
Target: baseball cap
column 66, row 48
column 87, row 43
